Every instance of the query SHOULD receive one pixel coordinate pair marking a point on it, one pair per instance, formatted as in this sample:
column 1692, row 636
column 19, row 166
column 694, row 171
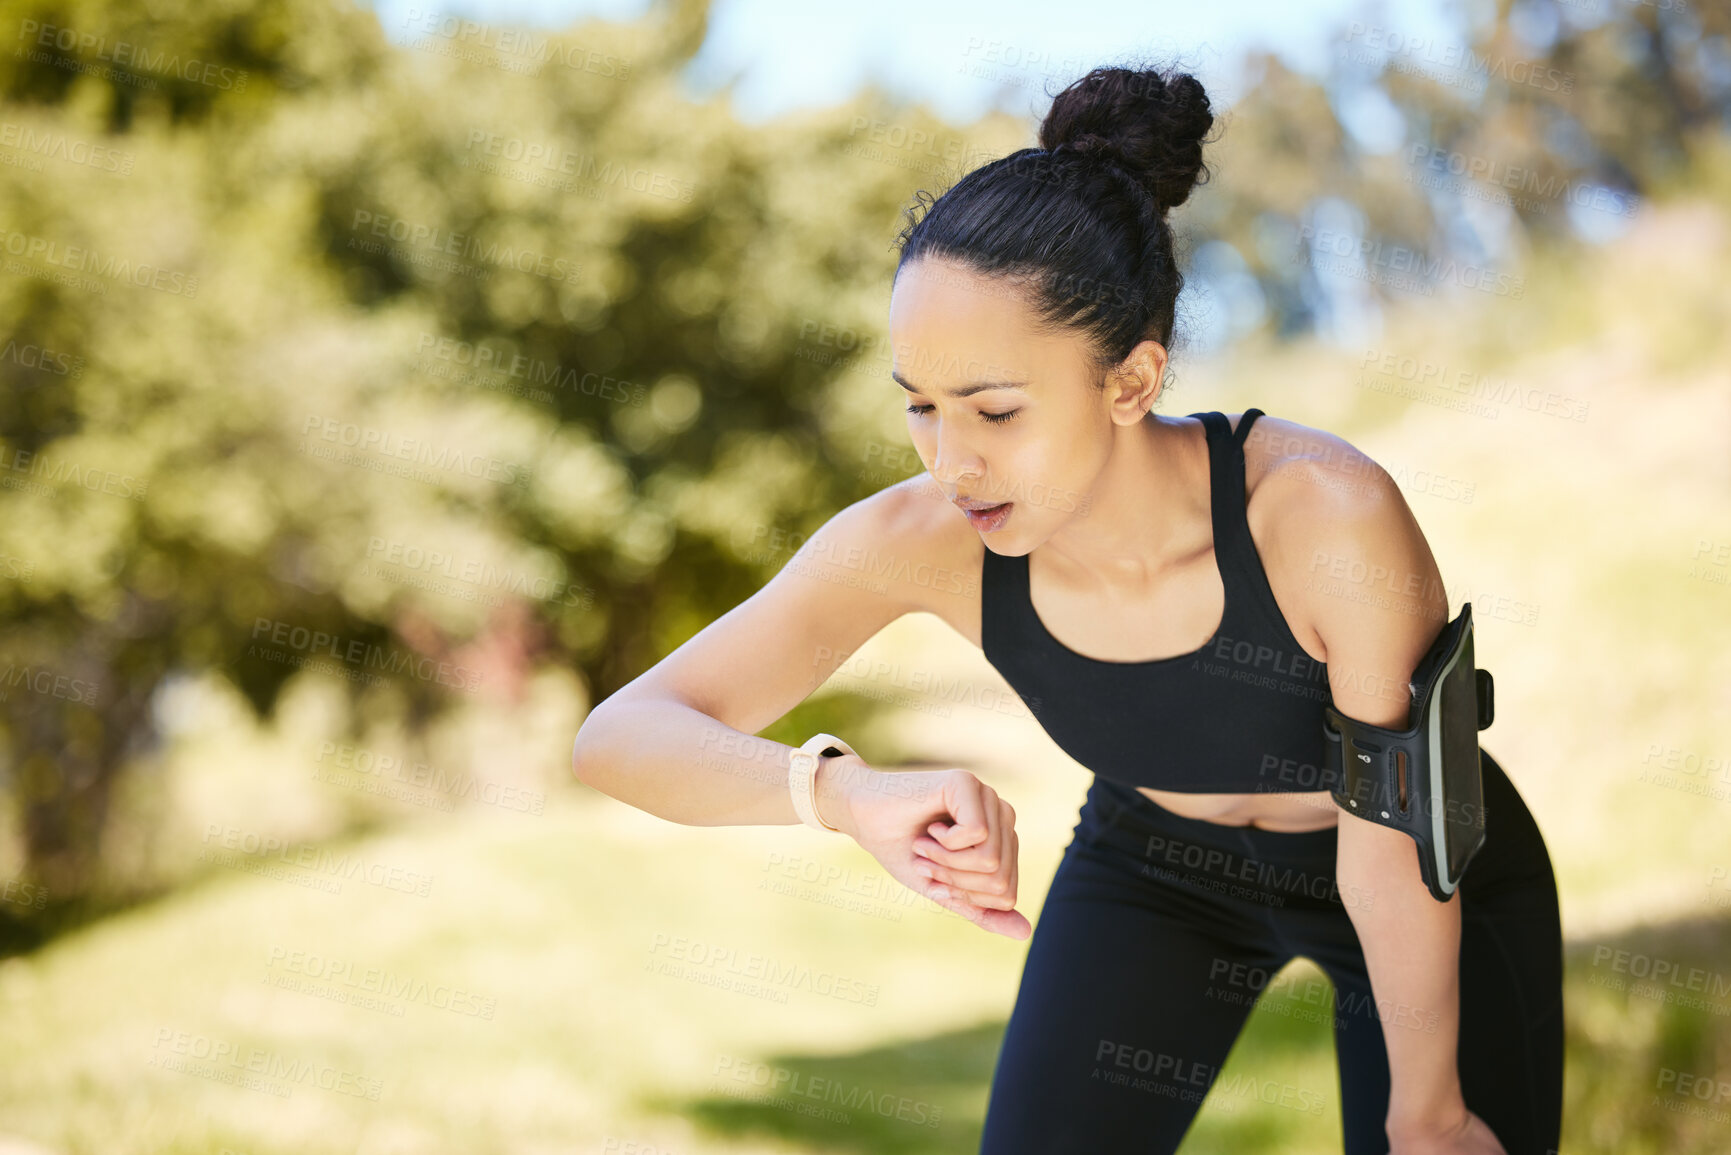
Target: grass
column 525, row 1004
column 548, row 942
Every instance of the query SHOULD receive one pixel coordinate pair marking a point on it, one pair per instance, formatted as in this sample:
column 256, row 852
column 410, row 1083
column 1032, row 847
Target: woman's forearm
column 1411, row 945
column 678, row 763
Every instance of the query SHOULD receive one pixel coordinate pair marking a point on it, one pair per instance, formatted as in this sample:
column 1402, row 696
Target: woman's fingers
column 941, row 847
column 996, row 878
column 1010, row 923
column 986, row 874
column 973, row 804
column 981, row 889
column 981, row 857
column 987, row 856
column 965, row 861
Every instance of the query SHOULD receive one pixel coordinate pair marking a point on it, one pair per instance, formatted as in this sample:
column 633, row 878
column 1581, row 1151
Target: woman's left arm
column 1372, row 592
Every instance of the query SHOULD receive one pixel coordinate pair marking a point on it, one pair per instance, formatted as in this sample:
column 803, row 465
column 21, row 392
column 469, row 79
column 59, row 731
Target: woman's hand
column 941, row 833
column 1470, row 1136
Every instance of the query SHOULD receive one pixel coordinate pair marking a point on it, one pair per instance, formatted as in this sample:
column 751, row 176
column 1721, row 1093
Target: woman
column 1179, row 598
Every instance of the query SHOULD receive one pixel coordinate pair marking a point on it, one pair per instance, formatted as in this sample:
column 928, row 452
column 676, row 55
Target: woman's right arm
column 678, row 741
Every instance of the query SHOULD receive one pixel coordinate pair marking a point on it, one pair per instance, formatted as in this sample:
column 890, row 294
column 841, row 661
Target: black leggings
column 1159, row 931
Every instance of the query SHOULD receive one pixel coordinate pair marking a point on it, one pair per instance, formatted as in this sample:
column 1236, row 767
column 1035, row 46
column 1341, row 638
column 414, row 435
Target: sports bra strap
column 1234, row 551
column 1217, row 425
column 1244, row 424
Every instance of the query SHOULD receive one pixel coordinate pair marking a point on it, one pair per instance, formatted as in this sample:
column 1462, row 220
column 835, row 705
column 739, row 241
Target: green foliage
column 305, row 370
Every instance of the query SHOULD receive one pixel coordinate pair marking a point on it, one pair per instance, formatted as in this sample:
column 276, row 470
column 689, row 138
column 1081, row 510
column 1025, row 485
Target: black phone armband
column 1424, row 780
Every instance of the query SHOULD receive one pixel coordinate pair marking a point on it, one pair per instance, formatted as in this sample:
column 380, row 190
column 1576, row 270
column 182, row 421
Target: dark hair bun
column 1150, row 124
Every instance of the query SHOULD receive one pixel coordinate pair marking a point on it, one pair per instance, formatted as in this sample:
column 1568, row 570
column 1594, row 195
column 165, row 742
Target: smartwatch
column 802, row 776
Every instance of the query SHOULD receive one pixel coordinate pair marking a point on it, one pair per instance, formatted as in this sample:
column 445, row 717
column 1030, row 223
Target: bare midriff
column 1290, row 813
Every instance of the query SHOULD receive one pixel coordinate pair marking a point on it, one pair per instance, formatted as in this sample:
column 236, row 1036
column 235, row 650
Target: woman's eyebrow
column 962, row 390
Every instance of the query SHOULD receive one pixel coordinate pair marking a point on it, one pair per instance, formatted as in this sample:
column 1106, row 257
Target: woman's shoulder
column 1296, row 461
column 1318, row 507
column 910, row 535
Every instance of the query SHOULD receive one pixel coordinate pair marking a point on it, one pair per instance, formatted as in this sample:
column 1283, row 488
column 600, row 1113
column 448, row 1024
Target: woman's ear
column 1134, row 383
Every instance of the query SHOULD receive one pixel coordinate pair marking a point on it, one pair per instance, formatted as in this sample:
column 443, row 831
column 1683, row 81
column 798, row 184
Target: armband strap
column 1424, row 780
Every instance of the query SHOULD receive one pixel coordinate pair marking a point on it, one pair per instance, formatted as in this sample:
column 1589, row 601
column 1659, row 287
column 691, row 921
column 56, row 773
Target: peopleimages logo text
column 138, row 57
column 360, row 653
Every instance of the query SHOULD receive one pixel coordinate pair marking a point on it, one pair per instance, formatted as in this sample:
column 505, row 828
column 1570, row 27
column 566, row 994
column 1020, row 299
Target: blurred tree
column 151, row 497
column 1549, row 122
column 332, row 352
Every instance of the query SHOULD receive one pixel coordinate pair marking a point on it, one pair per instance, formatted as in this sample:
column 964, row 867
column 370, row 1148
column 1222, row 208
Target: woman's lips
column 991, row 518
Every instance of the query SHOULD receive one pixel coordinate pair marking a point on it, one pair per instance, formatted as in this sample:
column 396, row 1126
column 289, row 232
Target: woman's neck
column 1149, row 509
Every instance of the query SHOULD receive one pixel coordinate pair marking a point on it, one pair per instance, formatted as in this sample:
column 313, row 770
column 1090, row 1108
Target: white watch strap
column 802, row 777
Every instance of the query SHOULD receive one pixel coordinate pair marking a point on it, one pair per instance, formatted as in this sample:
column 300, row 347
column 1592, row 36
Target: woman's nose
column 953, row 463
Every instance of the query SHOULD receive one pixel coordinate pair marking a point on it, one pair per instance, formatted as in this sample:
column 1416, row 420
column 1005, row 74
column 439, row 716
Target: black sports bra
column 1243, row 714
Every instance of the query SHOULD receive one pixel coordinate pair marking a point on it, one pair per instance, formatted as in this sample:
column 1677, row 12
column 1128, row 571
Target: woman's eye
column 994, row 418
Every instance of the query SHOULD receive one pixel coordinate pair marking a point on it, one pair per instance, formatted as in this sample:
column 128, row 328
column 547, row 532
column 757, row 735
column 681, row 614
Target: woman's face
column 1002, row 414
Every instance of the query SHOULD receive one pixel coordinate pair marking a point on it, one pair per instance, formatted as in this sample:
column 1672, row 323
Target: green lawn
column 560, row 988
column 559, row 984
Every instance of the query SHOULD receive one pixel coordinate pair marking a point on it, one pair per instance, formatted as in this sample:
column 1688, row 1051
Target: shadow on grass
column 929, row 1095
column 1647, row 1016
column 912, row 1098
column 1643, row 1073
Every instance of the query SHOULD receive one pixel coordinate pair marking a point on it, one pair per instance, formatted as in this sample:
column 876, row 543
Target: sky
column 966, row 57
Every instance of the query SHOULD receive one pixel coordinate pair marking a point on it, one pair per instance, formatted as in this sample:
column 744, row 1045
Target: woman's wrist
column 1446, row 1115
column 837, row 781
